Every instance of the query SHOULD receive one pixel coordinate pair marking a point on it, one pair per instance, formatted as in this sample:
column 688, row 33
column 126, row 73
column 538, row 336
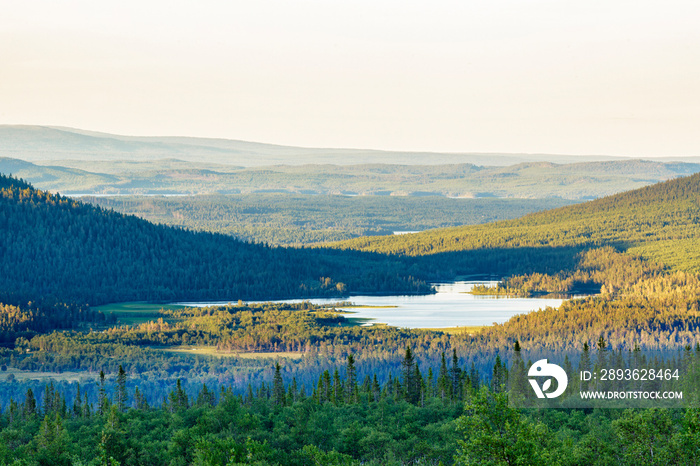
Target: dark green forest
column 56, row 249
column 447, row 416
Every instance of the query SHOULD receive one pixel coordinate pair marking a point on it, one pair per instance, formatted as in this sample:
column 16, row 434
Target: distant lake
column 127, row 195
column 451, row 306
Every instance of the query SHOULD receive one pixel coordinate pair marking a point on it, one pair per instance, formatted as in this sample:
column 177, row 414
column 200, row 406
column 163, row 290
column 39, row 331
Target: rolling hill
column 57, row 249
column 51, row 143
column 532, row 180
column 659, row 222
column 73, row 161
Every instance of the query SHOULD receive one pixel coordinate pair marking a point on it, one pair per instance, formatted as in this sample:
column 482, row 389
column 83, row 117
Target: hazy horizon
column 87, row 131
column 510, row 76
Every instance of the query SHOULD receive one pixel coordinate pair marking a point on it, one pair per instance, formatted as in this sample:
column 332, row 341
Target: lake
column 451, row 306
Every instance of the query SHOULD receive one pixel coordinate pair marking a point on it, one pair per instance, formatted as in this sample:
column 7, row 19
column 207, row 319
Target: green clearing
column 21, row 375
column 135, row 313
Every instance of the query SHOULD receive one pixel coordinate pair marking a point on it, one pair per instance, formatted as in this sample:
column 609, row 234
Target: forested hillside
column 282, row 219
column 55, row 249
column 659, row 222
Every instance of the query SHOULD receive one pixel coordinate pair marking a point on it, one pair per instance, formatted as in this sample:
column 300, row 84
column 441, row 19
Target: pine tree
column 52, row 438
column 351, row 381
column 337, row 388
column 327, row 386
column 122, row 396
column 178, row 398
column 102, row 401
column 49, row 402
column 443, row 384
column 500, row 376
column 13, row 411
column 140, row 400
column 419, row 386
column 411, row 389
column 376, row 389
column 29, row 410
column 250, row 395
column 518, row 376
column 474, row 377
column 366, row 389
column 205, row 397
column 294, row 389
column 429, row 386
column 456, row 376
column 278, row 387
column 78, row 404
column 319, row 390
column 87, row 408
column 388, row 389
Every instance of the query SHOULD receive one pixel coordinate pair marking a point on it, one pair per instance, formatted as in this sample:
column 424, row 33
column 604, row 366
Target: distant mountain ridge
column 73, row 161
column 527, row 180
column 51, row 143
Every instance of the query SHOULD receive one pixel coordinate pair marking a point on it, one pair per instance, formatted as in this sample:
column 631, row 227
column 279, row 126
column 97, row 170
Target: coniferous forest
column 58, row 249
column 298, row 383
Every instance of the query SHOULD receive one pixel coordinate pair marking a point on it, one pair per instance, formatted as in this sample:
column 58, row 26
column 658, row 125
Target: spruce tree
column 351, row 381
column 327, row 386
column 456, row 376
column 102, row 401
column 518, row 375
column 49, row 402
column 29, row 410
column 376, row 389
column 499, row 377
column 443, row 384
column 411, row 389
column 474, row 377
column 278, row 387
column 337, row 388
column 78, row 404
column 122, row 396
column 294, row 391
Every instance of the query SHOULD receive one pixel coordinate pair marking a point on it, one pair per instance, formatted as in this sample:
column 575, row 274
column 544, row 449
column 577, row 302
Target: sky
column 526, row 76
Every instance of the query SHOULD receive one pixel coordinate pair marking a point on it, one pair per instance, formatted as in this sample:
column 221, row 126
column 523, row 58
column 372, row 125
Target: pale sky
column 586, row 77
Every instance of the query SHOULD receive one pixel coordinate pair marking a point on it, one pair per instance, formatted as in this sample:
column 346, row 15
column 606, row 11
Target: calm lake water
column 451, row 306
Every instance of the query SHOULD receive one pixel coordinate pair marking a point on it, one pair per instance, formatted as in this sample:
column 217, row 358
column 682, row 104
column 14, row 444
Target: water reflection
column 451, row 306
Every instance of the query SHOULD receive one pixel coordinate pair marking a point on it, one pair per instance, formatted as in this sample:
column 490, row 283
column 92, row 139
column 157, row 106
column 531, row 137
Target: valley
column 285, row 339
